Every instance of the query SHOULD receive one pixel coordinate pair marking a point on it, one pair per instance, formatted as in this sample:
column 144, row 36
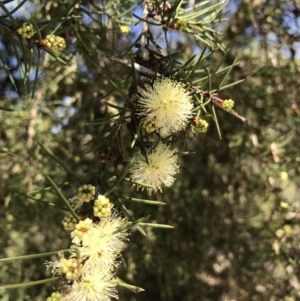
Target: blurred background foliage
column 235, row 203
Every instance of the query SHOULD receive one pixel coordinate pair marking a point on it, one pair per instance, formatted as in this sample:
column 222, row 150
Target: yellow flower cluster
column 55, row 296
column 96, row 247
column 150, row 126
column 55, row 42
column 102, row 207
column 228, row 104
column 26, row 31
column 86, row 193
column 94, row 253
column 201, row 125
column 69, row 222
column 71, row 268
column 82, row 229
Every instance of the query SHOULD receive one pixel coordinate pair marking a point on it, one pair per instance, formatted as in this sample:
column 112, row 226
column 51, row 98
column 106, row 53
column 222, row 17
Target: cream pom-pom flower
column 96, row 286
column 158, row 171
column 167, row 104
column 104, row 244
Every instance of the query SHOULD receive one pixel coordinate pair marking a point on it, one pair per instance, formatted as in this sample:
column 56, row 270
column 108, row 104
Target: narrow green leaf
column 31, row 256
column 8, row 72
column 215, row 118
column 30, row 283
column 139, row 183
column 8, row 14
column 6, row 151
column 117, row 87
column 144, row 201
column 156, row 225
column 37, row 29
column 229, row 85
column 197, row 63
column 60, row 162
column 146, row 21
column 130, row 224
column 52, row 53
column 18, row 6
column 130, row 287
column 62, row 197
column 128, row 214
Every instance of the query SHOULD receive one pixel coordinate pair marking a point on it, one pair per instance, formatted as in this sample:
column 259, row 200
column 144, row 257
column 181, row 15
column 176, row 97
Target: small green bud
column 201, row 125
column 26, row 31
column 181, row 24
column 228, row 104
column 56, row 43
column 56, row 296
column 125, row 29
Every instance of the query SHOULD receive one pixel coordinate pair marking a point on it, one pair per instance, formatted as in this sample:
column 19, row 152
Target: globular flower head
column 54, row 42
column 55, row 296
column 158, row 171
column 201, row 125
column 96, row 286
column 150, row 126
column 71, row 268
column 69, row 222
column 167, row 103
column 125, row 29
column 26, row 31
column 104, row 243
column 181, row 24
column 228, row 104
column 86, row 193
column 102, row 206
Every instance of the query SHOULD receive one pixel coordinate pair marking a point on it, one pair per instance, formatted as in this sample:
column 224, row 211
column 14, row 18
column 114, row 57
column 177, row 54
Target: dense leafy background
column 235, row 202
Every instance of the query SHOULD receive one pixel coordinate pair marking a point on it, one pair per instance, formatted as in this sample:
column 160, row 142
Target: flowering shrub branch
column 161, row 103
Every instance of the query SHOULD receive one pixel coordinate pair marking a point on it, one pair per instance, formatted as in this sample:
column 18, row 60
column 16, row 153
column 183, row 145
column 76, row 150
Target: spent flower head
column 167, row 103
column 158, row 171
